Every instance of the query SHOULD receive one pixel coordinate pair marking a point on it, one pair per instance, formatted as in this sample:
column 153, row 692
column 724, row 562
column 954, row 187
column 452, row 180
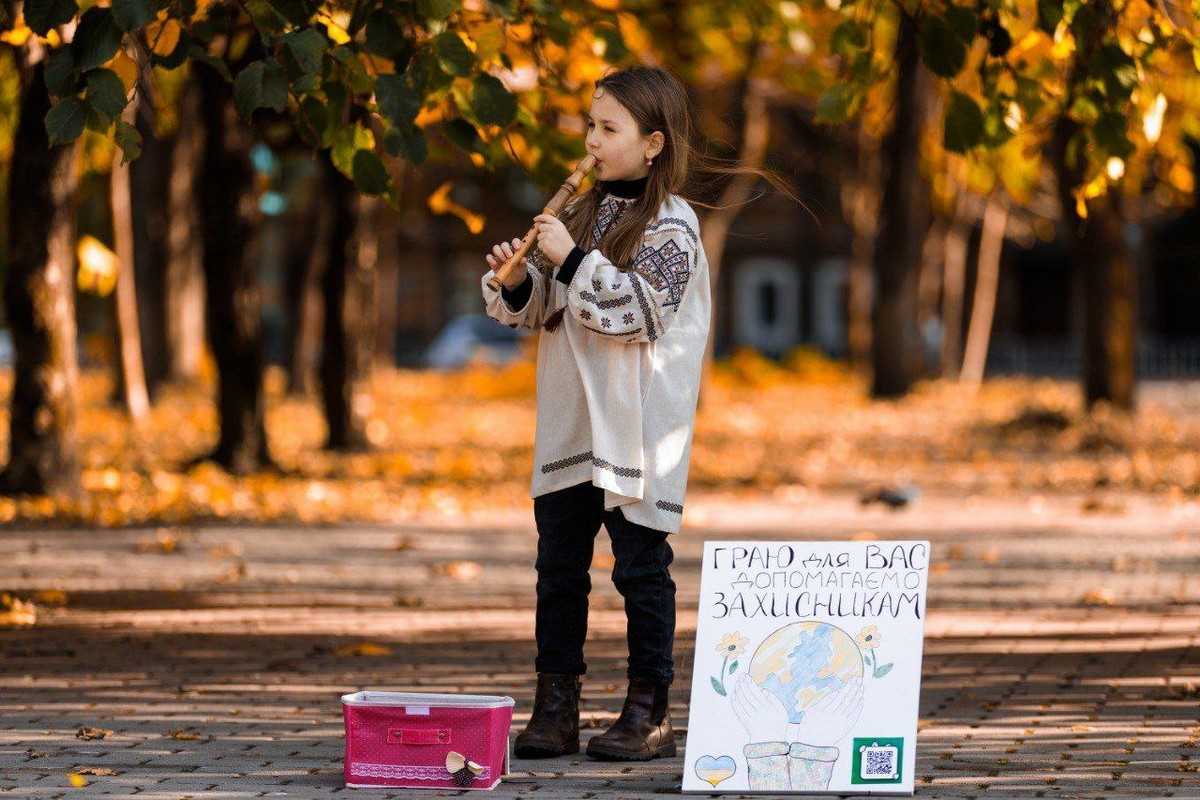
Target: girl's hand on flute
column 502, row 253
column 552, row 238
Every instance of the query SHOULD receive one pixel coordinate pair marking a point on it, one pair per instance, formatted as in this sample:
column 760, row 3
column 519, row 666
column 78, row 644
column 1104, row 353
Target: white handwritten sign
column 808, row 668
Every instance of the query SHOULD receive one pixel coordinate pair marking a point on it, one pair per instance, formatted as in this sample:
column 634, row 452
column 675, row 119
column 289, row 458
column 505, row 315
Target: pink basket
column 402, row 739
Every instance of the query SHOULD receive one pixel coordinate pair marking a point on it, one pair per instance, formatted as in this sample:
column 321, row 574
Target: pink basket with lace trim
column 426, row 741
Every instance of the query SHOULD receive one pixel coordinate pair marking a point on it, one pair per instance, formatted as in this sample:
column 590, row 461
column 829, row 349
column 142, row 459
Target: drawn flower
column 732, row 645
column 868, row 638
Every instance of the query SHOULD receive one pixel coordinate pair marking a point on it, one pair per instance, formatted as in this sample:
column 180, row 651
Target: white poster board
column 808, row 668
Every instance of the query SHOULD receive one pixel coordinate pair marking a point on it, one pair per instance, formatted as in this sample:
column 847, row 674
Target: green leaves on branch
column 131, row 15
column 65, row 120
column 943, row 47
column 129, row 140
column 260, row 85
column 964, row 125
column 839, row 103
column 96, row 39
column 307, row 47
column 368, row 172
column 491, row 102
column 407, row 142
column 42, row 15
column 397, row 100
column 453, row 54
column 105, row 92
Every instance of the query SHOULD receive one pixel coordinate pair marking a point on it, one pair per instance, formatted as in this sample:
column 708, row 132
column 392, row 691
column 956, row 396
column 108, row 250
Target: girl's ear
column 654, row 144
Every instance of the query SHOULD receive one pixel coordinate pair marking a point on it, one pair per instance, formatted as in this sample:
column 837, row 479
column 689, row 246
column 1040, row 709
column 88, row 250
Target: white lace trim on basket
column 407, row 772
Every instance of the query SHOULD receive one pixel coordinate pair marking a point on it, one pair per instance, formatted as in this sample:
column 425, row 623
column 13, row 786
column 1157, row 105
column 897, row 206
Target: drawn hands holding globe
column 823, row 723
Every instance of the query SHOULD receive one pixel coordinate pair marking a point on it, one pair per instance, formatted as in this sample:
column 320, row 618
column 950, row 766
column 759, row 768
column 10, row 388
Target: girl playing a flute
column 619, row 284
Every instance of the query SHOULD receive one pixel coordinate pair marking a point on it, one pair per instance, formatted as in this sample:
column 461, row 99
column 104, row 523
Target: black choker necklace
column 626, row 190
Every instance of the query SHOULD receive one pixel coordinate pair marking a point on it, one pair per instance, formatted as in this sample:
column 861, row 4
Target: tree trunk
column 232, row 298
column 756, row 129
column 343, row 329
column 39, row 301
column 129, row 338
column 954, row 280
column 861, row 208
column 370, row 213
column 987, row 282
column 185, row 268
column 1102, row 257
column 388, row 283
column 904, row 219
column 1100, row 251
column 307, row 248
column 149, row 180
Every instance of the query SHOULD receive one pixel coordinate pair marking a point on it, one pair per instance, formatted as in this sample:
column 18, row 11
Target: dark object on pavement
column 894, row 497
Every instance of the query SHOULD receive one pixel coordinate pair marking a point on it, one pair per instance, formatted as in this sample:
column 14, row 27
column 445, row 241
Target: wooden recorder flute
column 556, row 204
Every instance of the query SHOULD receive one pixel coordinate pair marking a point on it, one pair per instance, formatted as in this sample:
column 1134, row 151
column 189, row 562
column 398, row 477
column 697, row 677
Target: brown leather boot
column 635, row 736
column 553, row 728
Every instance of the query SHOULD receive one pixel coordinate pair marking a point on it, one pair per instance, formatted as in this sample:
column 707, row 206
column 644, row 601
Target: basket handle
column 418, row 736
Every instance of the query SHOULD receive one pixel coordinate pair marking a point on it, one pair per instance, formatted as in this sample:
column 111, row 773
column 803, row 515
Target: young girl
column 619, row 283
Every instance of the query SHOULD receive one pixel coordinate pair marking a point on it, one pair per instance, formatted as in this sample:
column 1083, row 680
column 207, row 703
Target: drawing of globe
column 803, row 662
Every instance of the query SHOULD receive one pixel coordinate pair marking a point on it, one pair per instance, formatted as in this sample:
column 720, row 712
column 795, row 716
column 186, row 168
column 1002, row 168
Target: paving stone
column 1027, row 690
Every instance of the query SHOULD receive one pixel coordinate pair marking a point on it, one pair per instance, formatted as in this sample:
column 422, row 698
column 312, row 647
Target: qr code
column 879, row 762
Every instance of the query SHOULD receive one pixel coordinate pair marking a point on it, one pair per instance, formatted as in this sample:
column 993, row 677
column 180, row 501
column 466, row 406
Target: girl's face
column 613, row 138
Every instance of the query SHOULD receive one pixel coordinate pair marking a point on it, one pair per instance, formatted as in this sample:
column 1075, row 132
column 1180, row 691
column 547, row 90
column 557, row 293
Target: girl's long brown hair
column 657, row 101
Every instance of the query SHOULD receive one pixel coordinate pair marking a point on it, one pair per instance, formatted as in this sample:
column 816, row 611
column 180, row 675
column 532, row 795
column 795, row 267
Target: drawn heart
column 714, row 769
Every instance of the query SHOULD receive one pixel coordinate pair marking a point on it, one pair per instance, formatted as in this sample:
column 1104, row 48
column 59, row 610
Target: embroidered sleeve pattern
column 529, row 315
column 638, row 304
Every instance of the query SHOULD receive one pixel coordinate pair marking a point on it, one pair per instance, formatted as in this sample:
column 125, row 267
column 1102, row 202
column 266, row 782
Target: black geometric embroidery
column 566, row 462
column 672, row 507
column 641, row 296
column 591, row 298
column 687, row 229
column 597, row 285
column 608, row 215
column 585, row 314
column 665, row 268
column 605, row 322
column 628, row 318
column 615, row 286
column 625, row 472
column 620, row 333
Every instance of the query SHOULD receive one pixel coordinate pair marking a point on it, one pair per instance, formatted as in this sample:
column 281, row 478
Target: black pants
column 567, row 523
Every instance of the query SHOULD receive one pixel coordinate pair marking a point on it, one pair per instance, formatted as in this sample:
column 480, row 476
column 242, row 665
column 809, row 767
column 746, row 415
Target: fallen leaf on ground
column 94, row 771
column 164, row 541
column 184, row 735
column 1100, row 596
column 458, row 570
column 50, row 597
column 363, row 649
column 15, row 612
column 87, row 734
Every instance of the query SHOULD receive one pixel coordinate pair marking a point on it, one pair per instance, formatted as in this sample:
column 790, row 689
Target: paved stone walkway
column 1061, row 654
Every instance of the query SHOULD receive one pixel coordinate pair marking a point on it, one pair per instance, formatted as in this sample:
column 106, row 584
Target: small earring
column 649, row 161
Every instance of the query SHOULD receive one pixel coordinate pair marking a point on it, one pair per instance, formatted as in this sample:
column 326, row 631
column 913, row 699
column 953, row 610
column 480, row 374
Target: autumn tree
column 1101, row 91
column 372, row 83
